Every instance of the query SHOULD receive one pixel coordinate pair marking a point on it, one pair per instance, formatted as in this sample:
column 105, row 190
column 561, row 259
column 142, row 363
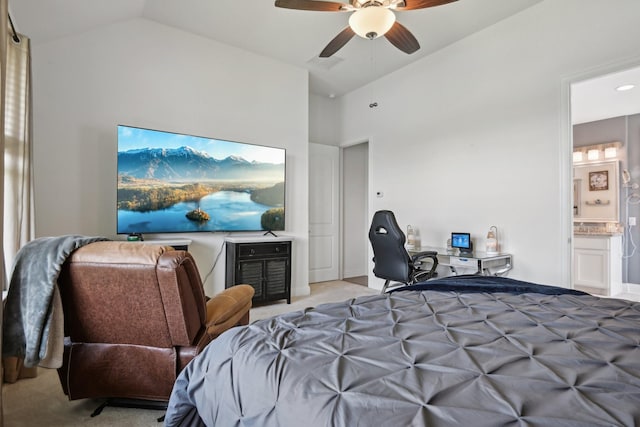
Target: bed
column 467, row 350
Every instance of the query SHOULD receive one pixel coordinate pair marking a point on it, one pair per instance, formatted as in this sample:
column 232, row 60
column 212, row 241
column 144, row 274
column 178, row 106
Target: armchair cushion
column 228, row 308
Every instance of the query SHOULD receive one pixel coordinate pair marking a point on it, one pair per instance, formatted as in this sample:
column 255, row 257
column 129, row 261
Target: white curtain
column 18, row 221
column 4, row 12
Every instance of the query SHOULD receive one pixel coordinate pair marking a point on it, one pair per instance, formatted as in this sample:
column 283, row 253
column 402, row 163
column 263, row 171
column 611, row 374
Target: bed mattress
column 468, row 351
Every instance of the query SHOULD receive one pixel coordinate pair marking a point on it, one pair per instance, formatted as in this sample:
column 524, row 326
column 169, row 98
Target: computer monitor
column 462, row 241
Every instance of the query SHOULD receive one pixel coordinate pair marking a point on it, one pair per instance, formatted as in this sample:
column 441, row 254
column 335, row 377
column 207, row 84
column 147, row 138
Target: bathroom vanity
column 597, row 263
column 597, row 243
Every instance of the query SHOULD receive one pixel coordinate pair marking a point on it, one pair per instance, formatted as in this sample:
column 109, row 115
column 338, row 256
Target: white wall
column 144, row 74
column 323, row 120
column 472, row 135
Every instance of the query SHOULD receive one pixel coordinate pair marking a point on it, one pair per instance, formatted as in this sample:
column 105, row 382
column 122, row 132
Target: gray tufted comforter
column 489, row 355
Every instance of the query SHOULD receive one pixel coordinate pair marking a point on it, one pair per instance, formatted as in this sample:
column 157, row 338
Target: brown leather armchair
column 134, row 315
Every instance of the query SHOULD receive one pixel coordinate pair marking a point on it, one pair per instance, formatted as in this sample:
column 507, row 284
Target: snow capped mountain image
column 187, row 164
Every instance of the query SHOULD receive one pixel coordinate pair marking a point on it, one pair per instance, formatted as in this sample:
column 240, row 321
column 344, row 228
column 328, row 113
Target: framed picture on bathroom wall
column 596, row 192
column 599, row 180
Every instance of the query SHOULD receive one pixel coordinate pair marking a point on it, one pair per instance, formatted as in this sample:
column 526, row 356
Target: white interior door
column 324, row 226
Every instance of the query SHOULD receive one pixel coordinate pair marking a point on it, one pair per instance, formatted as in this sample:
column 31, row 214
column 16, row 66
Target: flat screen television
column 177, row 183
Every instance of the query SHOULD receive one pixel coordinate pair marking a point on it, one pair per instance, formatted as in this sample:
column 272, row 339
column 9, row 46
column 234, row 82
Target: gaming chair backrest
column 391, row 260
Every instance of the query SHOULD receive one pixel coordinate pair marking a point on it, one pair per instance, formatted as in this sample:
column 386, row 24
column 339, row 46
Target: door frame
column 566, row 156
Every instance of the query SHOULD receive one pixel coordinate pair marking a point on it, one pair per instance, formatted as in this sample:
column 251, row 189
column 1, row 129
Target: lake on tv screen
column 229, row 210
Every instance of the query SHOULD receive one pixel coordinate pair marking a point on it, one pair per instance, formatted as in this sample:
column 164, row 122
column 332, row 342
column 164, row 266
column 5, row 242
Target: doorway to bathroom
column 605, row 120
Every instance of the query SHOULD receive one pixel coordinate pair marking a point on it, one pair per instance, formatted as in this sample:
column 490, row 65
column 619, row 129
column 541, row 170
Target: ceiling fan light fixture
column 372, row 22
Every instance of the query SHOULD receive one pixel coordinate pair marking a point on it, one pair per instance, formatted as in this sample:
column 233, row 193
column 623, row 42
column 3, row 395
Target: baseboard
column 632, row 287
column 590, row 290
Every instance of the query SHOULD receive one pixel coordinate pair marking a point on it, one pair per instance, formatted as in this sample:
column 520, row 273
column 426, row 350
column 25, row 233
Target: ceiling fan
column 370, row 19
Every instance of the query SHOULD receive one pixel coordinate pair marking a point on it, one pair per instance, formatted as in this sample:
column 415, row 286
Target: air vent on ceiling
column 325, row 63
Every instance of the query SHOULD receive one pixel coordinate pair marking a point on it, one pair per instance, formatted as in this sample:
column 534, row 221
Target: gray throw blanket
column 30, row 301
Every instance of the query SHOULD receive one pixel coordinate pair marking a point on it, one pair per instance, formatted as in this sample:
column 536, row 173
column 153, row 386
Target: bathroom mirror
column 596, row 192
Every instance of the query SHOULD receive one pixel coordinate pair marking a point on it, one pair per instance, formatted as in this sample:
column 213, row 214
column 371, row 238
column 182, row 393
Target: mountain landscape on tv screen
column 157, row 182
column 187, row 164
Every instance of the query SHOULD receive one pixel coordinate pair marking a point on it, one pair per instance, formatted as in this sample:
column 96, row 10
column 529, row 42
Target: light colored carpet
column 358, row 280
column 322, row 292
column 40, row 401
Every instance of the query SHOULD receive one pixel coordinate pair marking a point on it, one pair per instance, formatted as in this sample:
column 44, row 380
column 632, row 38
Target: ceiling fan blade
column 338, row 41
column 320, row 6
column 402, row 38
column 421, row 4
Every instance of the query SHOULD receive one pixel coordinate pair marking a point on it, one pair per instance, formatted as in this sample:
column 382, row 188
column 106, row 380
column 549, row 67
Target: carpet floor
column 358, row 280
column 40, row 401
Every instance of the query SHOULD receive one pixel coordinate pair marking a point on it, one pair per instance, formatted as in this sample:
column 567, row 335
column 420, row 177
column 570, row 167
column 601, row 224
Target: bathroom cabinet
column 597, row 264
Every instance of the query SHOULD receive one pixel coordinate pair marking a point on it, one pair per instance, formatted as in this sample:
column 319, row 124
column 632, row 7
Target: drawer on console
column 254, row 249
column 463, row 262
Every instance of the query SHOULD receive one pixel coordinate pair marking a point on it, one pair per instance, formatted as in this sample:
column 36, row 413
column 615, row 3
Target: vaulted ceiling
column 292, row 36
column 297, row 37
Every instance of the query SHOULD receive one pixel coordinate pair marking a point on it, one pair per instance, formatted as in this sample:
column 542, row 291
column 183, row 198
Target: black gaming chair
column 391, row 259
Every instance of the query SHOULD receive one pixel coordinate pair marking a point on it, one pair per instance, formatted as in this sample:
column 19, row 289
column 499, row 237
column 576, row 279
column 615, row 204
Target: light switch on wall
column 632, row 220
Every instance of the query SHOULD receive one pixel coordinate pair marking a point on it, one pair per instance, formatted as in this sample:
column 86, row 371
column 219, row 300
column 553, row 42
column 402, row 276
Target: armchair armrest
column 416, row 260
column 229, row 308
column 425, row 254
